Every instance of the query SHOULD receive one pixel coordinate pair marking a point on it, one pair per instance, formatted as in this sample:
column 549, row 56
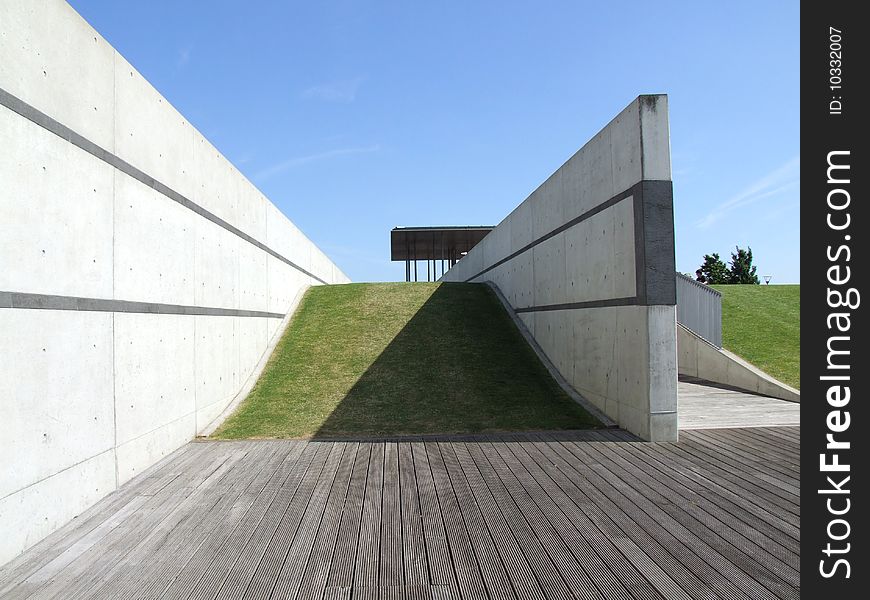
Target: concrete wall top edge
column 77, row 84
column 642, row 128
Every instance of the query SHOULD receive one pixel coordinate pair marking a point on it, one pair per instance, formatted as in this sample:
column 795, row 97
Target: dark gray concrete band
column 655, row 263
column 59, row 129
column 575, row 221
column 654, row 260
column 51, row 302
column 627, row 301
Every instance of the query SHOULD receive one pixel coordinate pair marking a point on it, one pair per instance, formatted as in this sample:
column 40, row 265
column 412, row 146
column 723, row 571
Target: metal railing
column 699, row 308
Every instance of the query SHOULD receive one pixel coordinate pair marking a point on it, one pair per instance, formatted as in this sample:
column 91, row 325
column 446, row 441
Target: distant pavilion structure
column 433, row 244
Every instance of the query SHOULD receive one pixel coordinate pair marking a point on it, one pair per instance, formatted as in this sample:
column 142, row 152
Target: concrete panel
column 625, row 148
column 55, row 61
column 522, row 226
column 284, row 284
column 595, row 351
column 35, row 511
column 286, row 239
column 217, row 366
column 253, row 290
column 473, row 263
column 144, row 121
column 253, row 340
column 587, row 178
column 497, row 244
column 601, row 256
column 656, row 138
column 547, row 205
column 554, row 333
column 698, row 358
column 49, row 413
column 549, row 271
column 662, row 371
column 216, row 267
column 154, row 245
column 152, row 386
column 56, row 211
column 528, row 320
column 632, row 362
column 520, row 286
column 218, row 186
column 140, row 453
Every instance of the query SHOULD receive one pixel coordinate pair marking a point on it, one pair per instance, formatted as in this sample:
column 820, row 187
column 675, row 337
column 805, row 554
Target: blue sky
column 354, row 117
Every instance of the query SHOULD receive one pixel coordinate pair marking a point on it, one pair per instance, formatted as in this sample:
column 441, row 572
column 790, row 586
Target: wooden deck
column 567, row 515
column 703, row 406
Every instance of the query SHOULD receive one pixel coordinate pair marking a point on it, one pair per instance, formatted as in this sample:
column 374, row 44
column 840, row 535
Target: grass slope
column 398, row 358
column 762, row 323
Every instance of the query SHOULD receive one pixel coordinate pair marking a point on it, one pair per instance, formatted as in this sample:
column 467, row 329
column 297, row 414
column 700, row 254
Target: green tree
column 742, row 269
column 713, row 270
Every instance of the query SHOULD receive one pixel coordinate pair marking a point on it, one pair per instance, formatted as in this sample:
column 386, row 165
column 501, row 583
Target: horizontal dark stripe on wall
column 630, row 301
column 59, row 129
column 633, row 190
column 50, row 302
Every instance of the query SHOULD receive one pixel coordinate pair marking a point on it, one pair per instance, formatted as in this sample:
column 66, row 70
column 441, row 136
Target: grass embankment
column 762, row 324
column 403, row 358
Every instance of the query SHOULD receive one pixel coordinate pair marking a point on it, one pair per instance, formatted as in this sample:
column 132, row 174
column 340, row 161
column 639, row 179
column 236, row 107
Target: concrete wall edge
column 710, row 364
column 251, row 381
column 548, row 364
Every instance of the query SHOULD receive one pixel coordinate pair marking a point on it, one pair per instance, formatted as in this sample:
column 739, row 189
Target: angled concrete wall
column 700, row 359
column 141, row 275
column 587, row 261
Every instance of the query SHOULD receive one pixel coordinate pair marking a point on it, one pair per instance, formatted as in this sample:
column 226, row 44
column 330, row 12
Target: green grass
column 403, row 358
column 762, row 324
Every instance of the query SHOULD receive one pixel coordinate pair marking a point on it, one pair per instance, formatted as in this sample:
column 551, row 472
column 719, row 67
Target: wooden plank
column 90, row 567
column 438, row 552
column 56, row 546
column 772, row 486
column 368, row 550
column 593, row 548
column 212, row 559
column 720, row 442
column 608, row 503
column 391, row 563
column 344, row 558
column 578, row 564
column 520, row 573
column 762, row 446
column 468, row 575
column 772, row 438
column 184, row 528
column 250, row 548
column 415, row 567
column 492, row 569
column 722, row 558
column 220, row 520
column 311, row 582
column 609, row 531
column 740, row 546
column 737, row 504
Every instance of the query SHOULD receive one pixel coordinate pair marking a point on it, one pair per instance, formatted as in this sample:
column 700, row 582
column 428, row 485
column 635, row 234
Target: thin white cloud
column 183, row 57
column 774, row 183
column 343, row 91
column 298, row 161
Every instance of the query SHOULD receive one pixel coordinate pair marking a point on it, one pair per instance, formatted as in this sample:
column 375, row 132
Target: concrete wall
column 701, row 360
column 141, row 275
column 587, row 261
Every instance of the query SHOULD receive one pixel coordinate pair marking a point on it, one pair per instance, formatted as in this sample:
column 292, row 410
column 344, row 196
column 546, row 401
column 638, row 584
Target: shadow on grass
column 459, row 365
